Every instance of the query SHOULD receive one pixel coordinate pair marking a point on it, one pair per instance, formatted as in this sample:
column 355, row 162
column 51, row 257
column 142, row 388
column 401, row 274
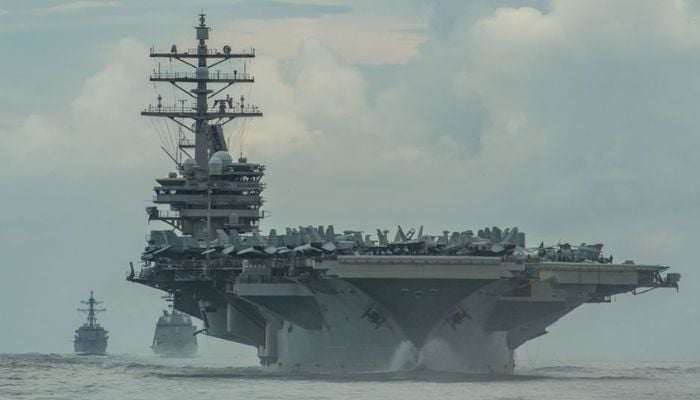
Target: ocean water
column 112, row 377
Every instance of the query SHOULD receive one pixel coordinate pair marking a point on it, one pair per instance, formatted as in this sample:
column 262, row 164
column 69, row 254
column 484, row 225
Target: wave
column 562, row 368
column 198, row 369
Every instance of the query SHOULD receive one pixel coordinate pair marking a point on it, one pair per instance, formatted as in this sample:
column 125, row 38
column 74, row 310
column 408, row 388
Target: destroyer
column 175, row 335
column 315, row 300
column 91, row 338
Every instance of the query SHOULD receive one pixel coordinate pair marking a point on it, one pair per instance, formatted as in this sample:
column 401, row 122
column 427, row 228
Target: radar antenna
column 91, row 310
column 205, row 117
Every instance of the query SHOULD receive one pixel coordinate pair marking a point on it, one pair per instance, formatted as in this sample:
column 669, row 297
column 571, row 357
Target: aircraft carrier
column 319, row 300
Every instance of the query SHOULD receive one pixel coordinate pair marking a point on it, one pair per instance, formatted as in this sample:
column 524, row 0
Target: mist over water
column 125, row 377
column 437, row 354
column 404, row 357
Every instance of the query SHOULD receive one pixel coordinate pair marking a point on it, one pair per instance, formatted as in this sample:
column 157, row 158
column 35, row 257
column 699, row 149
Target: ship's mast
column 170, row 300
column 207, row 140
column 91, row 310
column 213, row 192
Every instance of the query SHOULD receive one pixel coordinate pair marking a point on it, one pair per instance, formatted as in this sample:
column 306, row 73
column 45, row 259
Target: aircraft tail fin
column 330, row 233
column 222, row 236
column 381, row 237
column 400, row 236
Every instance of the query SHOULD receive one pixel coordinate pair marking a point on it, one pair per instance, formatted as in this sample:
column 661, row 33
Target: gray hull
column 384, row 313
column 174, row 335
column 90, row 341
column 175, row 341
column 350, row 341
column 465, row 315
column 175, row 349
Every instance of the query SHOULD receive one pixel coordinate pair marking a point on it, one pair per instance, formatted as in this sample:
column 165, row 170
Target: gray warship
column 316, row 300
column 91, row 338
column 174, row 335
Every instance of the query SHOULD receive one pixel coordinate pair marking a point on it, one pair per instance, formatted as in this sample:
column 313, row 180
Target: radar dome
column 224, row 156
column 188, row 165
column 215, row 166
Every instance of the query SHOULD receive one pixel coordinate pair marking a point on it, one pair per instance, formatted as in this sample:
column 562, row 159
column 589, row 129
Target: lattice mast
column 207, row 141
column 91, row 310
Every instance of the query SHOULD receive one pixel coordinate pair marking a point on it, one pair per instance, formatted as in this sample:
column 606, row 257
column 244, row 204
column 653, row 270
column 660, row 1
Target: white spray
column 438, row 355
column 404, row 357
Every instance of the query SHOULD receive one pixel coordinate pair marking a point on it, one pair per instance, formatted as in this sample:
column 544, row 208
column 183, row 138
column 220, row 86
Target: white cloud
column 99, row 130
column 586, row 107
column 77, row 6
column 358, row 38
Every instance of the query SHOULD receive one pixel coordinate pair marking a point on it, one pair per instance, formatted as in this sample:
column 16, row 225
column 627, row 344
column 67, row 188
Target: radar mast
column 213, row 192
column 207, row 142
column 91, row 310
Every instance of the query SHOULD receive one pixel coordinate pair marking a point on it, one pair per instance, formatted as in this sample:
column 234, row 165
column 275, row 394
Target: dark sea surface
column 59, row 376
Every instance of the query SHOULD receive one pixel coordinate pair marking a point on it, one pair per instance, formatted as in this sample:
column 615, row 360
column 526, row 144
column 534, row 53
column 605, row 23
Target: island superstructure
column 311, row 299
column 91, row 338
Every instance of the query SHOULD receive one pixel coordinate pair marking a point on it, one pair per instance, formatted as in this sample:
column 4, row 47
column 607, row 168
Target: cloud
column 519, row 100
column 62, row 16
column 357, row 38
column 99, row 130
column 76, row 6
column 605, row 109
column 522, row 117
column 284, row 9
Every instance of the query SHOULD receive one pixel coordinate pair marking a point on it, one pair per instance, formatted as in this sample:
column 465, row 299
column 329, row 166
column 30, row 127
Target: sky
column 573, row 120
